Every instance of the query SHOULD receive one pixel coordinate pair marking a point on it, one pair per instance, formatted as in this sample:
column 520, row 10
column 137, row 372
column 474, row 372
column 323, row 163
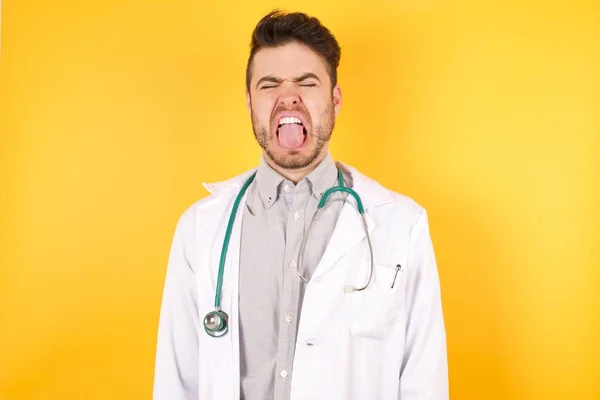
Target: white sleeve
column 424, row 374
column 176, row 368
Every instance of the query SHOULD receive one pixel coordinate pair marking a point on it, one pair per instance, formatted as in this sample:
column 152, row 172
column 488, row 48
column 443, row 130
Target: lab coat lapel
column 349, row 231
column 228, row 350
column 233, row 266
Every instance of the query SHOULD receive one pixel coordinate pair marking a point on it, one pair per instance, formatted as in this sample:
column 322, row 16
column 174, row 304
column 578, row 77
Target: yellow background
column 112, row 113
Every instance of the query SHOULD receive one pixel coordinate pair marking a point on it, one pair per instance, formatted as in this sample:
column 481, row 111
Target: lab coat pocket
column 377, row 309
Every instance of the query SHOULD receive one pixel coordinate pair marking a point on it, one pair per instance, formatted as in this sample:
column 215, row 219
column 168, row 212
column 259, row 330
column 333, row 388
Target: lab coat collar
column 371, row 192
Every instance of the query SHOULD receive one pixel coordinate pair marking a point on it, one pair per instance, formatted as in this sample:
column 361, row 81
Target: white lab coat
column 379, row 344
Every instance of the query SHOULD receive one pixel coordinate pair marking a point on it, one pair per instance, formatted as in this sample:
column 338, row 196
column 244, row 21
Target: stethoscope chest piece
column 215, row 323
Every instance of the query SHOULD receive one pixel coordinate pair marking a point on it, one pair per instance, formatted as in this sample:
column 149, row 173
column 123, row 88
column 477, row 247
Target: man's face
column 292, row 105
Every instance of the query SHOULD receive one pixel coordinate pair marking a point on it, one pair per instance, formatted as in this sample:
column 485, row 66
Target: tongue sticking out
column 291, row 136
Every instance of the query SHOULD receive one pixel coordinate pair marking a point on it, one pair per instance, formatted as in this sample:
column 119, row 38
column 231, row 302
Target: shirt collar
column 371, row 192
column 320, row 179
column 268, row 181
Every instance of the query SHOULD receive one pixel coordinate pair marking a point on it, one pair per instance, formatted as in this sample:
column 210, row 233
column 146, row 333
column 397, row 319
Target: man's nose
column 289, row 96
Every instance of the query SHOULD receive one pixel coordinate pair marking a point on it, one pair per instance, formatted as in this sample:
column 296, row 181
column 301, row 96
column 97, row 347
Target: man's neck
column 295, row 175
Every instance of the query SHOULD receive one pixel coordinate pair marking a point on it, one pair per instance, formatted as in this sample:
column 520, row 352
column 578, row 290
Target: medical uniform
column 289, row 339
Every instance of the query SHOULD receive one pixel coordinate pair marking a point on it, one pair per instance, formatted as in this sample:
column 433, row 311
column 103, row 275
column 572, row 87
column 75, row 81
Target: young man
column 346, row 306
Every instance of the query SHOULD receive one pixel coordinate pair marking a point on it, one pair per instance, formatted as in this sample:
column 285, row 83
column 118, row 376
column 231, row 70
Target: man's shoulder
column 384, row 196
column 217, row 192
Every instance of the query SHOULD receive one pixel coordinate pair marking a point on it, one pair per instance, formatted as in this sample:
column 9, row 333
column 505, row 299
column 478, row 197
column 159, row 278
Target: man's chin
column 291, row 158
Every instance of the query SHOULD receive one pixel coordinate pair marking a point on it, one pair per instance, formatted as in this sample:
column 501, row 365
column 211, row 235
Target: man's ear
column 337, row 99
column 248, row 102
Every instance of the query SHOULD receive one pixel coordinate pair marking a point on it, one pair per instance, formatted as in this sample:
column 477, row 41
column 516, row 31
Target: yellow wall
column 113, row 112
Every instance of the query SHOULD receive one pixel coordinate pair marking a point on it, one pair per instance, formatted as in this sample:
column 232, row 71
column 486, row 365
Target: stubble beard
column 294, row 159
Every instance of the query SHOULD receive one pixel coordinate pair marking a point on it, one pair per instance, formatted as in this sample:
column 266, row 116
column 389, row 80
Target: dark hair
column 279, row 28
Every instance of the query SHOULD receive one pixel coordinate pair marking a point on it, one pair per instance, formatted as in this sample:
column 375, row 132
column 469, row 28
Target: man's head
column 291, row 88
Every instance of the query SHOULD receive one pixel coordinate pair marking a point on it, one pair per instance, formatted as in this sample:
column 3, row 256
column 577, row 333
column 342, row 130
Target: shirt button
column 296, row 215
column 289, row 318
column 293, row 264
column 287, row 188
column 283, row 373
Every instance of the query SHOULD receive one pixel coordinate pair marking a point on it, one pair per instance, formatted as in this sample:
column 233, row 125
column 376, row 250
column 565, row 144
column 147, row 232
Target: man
column 300, row 313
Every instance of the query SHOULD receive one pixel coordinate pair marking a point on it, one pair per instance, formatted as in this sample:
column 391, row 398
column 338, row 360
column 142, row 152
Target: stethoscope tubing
column 225, row 247
column 216, row 322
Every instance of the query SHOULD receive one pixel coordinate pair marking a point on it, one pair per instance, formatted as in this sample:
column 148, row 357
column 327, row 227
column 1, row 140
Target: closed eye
column 308, row 85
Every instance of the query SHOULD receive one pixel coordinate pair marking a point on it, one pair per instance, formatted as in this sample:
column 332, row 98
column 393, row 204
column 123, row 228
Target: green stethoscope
column 215, row 322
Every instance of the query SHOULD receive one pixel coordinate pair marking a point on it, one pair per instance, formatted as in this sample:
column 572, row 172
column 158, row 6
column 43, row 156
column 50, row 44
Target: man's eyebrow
column 303, row 77
column 269, row 78
column 306, row 76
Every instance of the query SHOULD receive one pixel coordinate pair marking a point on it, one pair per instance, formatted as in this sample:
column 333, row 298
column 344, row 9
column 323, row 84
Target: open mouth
column 291, row 134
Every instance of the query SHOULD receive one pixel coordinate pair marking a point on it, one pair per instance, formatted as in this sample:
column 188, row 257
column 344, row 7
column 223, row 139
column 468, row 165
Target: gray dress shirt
column 275, row 219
